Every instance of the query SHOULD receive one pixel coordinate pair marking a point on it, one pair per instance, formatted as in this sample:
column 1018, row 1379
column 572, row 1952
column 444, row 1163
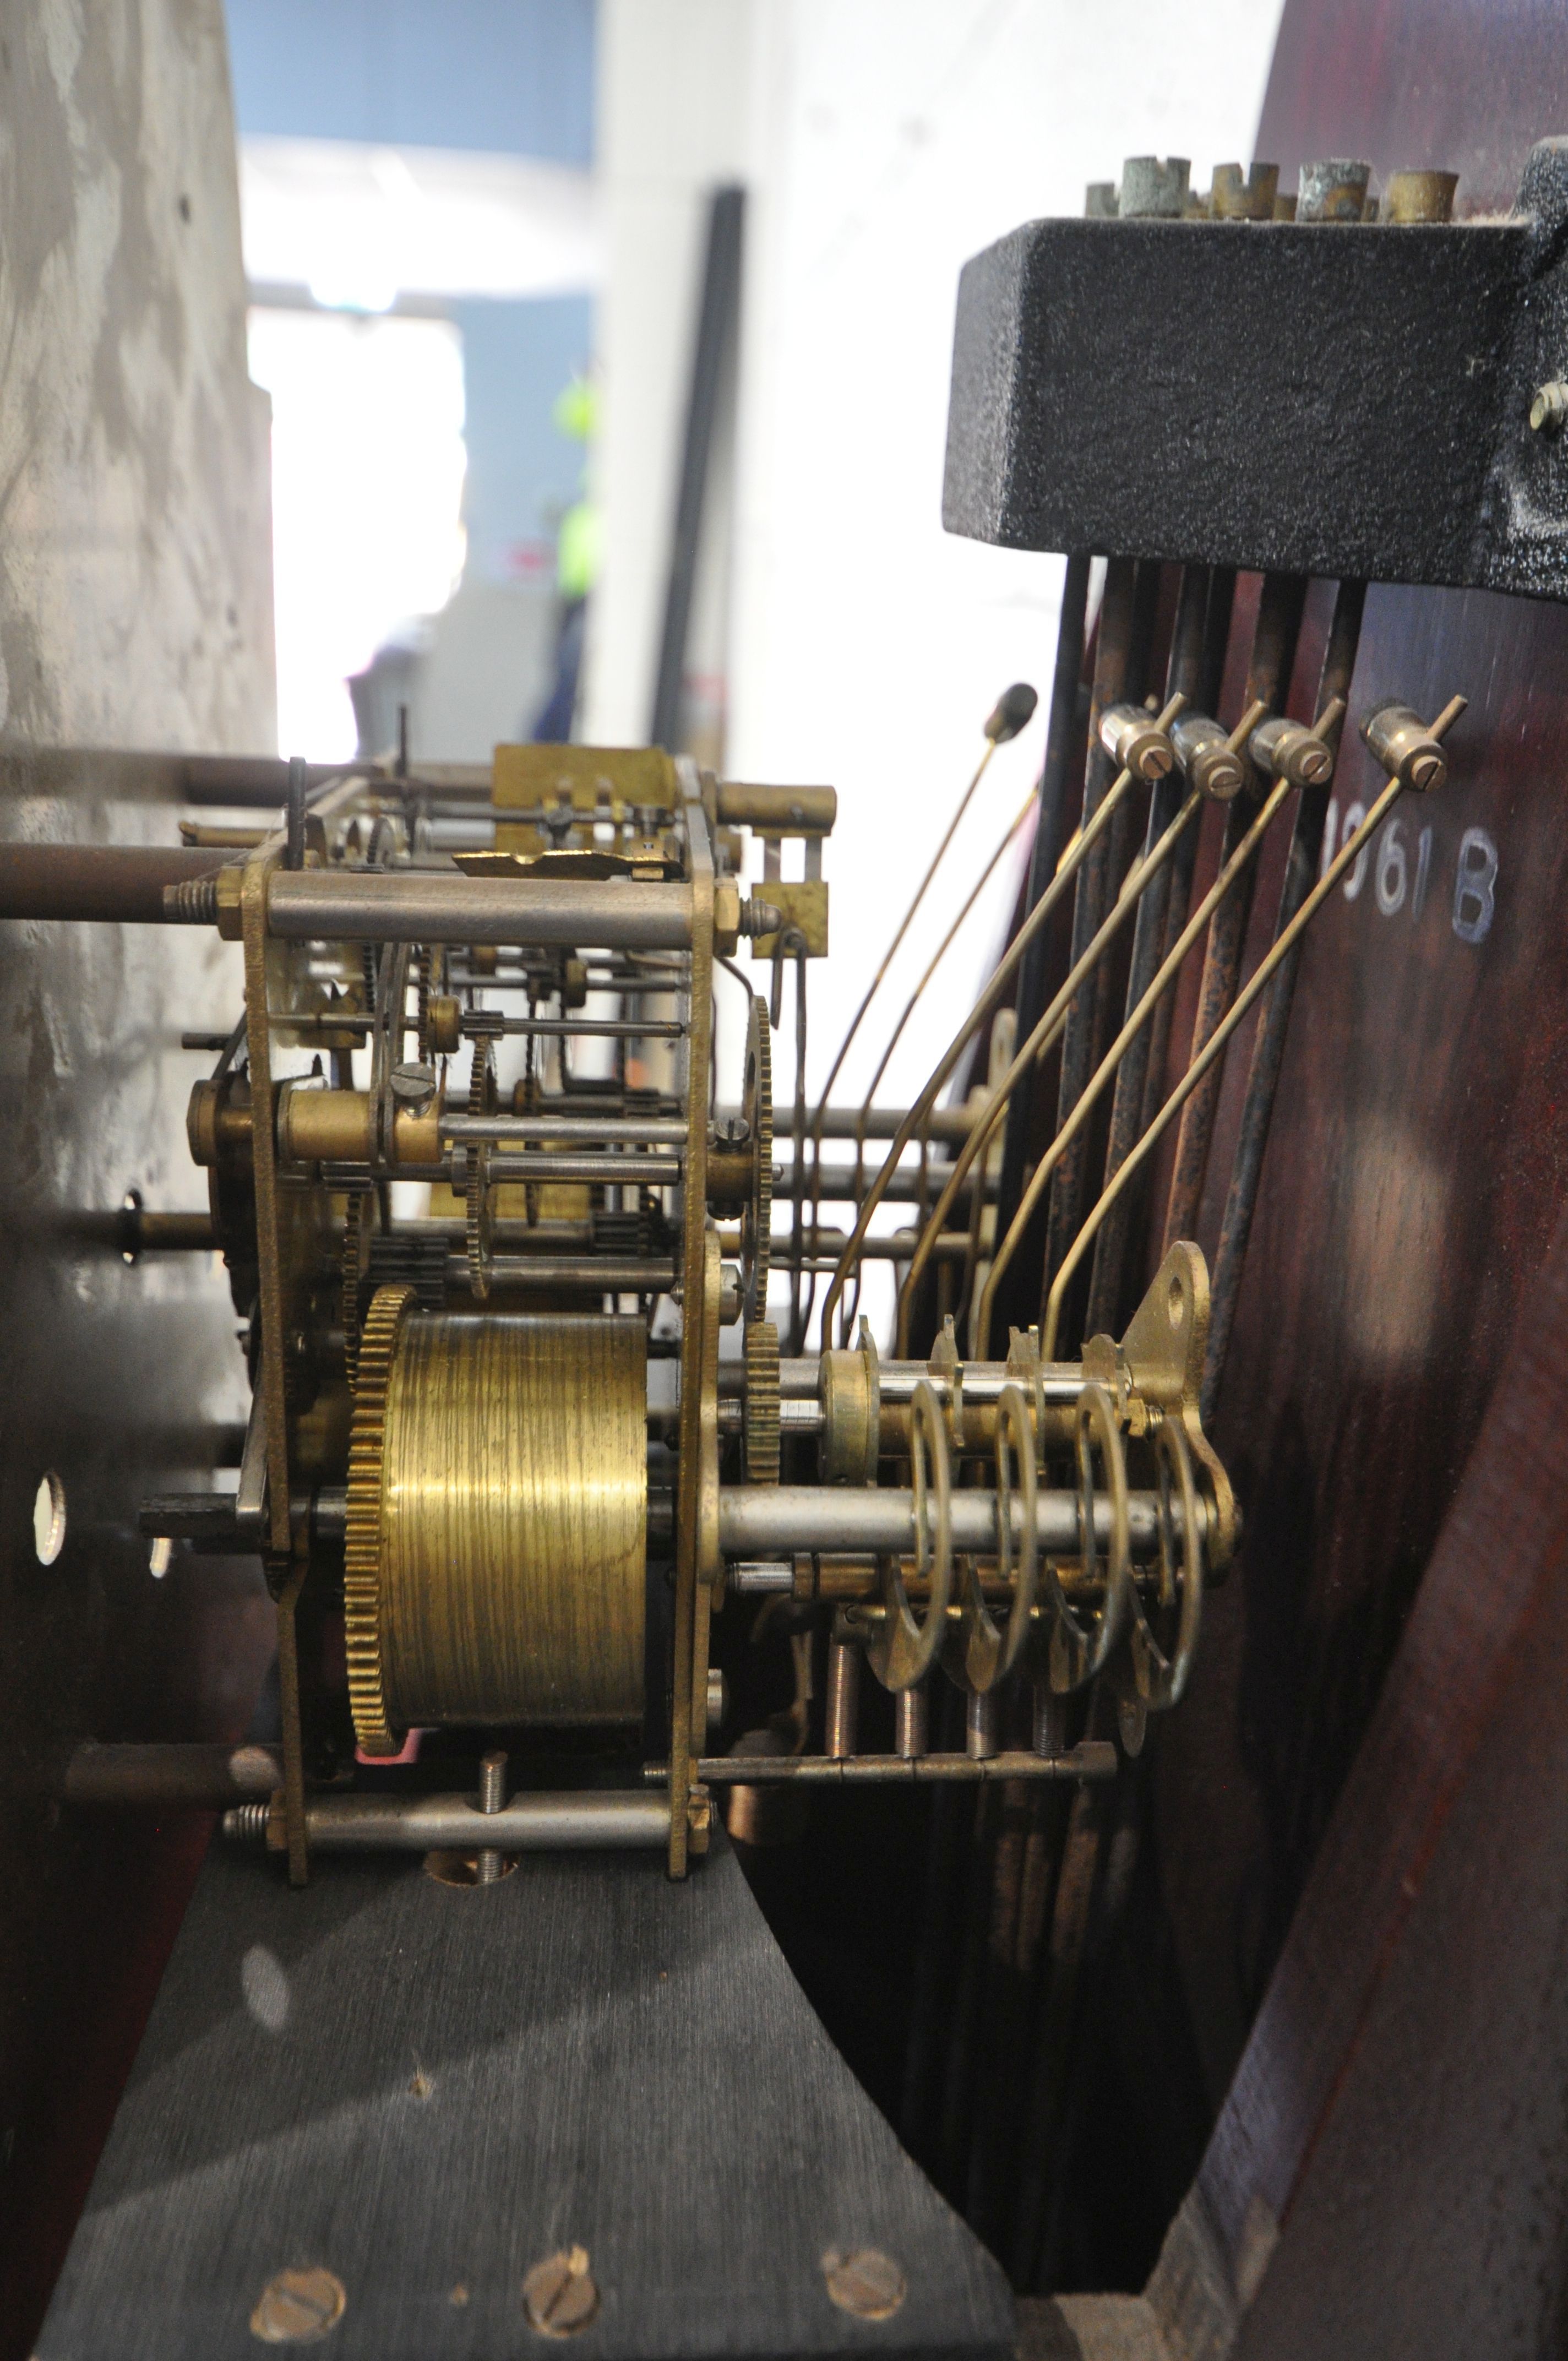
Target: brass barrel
column 495, row 1539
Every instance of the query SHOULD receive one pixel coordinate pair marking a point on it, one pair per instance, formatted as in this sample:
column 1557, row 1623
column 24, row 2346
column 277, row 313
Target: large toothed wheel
column 757, row 1107
column 481, row 1101
column 362, row 1537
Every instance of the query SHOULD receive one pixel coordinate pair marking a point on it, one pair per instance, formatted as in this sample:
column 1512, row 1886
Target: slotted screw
column 864, row 2281
column 559, row 2295
column 298, row 2307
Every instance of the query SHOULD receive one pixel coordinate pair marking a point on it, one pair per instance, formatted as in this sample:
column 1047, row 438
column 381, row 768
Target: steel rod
column 156, row 1778
column 771, row 1520
column 1204, row 1063
column 1268, row 678
column 1049, row 1027
column 594, row 1821
column 1184, row 673
column 635, row 1131
column 1093, row 1759
column 417, row 906
column 896, row 1381
column 84, row 883
column 1112, row 683
column 882, row 1121
column 1051, row 835
column 492, row 1028
column 862, row 1125
column 141, row 1232
column 838, row 1187
column 827, row 1243
column 989, row 1000
column 1216, row 645
column 544, row 1164
column 584, row 1274
column 1274, row 1014
column 574, row 1028
column 1163, row 979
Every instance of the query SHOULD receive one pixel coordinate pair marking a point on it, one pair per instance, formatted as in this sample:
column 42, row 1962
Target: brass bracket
column 804, row 905
column 1162, row 1354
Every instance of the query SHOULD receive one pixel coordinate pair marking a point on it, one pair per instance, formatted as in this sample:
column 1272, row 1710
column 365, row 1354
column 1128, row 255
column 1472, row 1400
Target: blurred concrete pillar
column 675, row 101
column 136, row 574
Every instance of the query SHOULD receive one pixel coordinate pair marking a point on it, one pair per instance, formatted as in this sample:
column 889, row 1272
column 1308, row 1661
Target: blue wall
column 512, row 76
column 505, row 76
column 522, row 472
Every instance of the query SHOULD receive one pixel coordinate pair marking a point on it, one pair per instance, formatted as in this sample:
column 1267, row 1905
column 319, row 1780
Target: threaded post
column 910, row 1723
column 492, row 1799
column 246, row 1823
column 192, row 901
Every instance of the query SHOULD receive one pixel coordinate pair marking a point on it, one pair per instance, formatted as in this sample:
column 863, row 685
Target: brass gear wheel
column 432, row 980
column 761, row 1432
column 482, row 1080
column 479, row 1219
column 362, row 1537
column 355, row 1210
column 757, row 1107
column 481, row 1101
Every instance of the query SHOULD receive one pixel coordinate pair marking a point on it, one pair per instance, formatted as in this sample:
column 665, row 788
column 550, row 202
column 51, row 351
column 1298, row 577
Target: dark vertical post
column 1274, row 1009
column 1051, row 835
column 1216, row 642
column 294, row 815
column 1116, row 620
column 1184, row 673
column 1268, row 678
column 718, row 322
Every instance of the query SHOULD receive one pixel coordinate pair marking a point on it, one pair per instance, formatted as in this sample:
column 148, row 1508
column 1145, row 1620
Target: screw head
column 299, row 2307
column 412, row 1085
column 864, row 2281
column 559, row 2295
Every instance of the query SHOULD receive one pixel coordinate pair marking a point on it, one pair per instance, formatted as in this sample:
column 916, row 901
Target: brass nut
column 446, row 1016
column 699, row 1820
column 1419, row 196
column 231, row 921
column 1398, row 738
column 1135, row 742
column 202, row 1124
column 299, row 2307
column 218, row 1120
column 864, row 2281
column 559, row 2295
column 726, row 913
column 1233, row 198
column 1288, row 751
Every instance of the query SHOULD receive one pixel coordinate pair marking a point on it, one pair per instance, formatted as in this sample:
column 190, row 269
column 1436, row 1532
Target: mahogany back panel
column 1414, row 1172
column 1402, row 1279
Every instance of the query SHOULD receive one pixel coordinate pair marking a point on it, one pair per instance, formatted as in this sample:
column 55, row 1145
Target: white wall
column 883, row 141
